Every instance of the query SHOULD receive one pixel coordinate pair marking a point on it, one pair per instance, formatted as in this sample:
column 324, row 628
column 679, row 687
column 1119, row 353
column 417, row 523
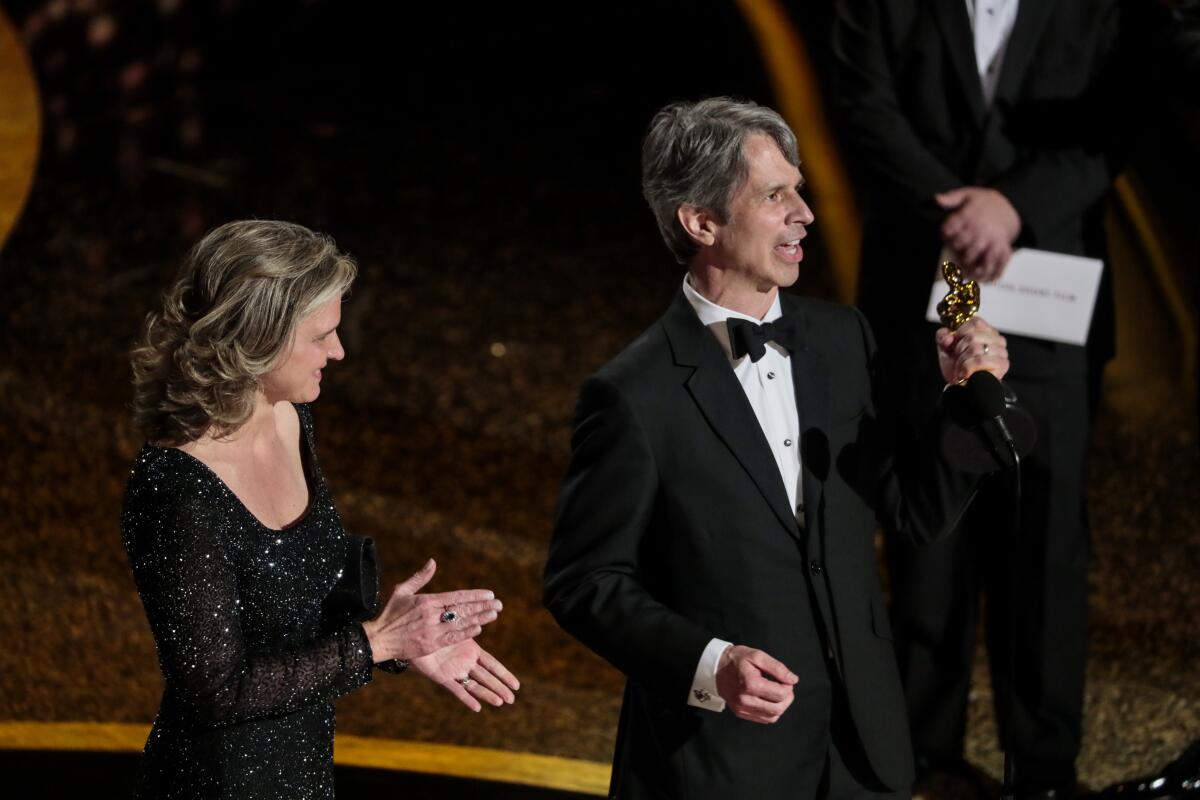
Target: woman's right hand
column 411, row 624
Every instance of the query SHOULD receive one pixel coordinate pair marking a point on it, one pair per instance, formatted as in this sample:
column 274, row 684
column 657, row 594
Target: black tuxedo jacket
column 673, row 527
column 907, row 88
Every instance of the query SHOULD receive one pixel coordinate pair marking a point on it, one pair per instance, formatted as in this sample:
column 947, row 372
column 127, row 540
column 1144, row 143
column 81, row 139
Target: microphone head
column 985, row 395
column 974, row 413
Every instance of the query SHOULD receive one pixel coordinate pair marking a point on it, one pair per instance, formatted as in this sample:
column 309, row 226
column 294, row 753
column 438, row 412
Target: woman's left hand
column 470, row 673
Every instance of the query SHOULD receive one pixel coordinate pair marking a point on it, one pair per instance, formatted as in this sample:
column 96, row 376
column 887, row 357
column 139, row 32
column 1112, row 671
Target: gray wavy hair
column 692, row 156
column 229, row 316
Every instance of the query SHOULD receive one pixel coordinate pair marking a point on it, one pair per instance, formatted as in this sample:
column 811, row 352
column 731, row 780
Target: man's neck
column 718, row 286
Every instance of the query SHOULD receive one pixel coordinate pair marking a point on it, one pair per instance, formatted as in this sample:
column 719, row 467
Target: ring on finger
column 449, row 615
column 466, row 681
column 986, row 348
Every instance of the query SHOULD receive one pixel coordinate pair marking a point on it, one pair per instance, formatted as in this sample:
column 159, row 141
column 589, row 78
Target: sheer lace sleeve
column 188, row 584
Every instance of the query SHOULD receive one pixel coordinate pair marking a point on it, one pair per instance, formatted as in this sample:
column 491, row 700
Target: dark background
column 481, row 163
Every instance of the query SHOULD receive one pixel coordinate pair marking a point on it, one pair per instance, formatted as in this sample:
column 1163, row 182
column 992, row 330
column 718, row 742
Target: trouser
column 1037, row 581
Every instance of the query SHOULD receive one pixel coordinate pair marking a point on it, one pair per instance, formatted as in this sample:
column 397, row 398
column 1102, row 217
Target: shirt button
column 787, row 442
column 770, row 376
column 816, row 567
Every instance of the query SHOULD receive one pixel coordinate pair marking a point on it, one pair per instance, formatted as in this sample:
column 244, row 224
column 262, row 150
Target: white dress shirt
column 768, row 386
column 992, row 25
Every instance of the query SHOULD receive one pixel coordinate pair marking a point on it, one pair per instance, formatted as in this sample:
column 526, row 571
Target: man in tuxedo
column 714, row 532
column 981, row 126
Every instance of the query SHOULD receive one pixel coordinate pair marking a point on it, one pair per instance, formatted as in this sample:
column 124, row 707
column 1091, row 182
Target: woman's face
column 297, row 376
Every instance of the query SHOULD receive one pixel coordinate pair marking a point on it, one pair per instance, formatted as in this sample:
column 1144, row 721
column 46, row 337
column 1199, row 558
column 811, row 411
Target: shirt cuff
column 704, row 683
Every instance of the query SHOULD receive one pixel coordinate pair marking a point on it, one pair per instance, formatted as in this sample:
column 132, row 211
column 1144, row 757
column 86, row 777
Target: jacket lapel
column 960, row 44
column 1022, row 45
column 723, row 403
column 810, row 378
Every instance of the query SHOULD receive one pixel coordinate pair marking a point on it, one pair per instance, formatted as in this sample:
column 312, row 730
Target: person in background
column 979, row 127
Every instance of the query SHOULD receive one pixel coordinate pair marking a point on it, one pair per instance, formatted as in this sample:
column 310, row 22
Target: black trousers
column 1037, row 582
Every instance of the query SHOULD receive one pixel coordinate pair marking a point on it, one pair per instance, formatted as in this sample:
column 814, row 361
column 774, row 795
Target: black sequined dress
column 236, row 610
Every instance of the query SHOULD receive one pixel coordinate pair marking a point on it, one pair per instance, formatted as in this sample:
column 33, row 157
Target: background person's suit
column 908, row 87
column 673, row 527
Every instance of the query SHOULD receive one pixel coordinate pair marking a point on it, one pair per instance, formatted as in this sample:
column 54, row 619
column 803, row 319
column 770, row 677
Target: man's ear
column 700, row 223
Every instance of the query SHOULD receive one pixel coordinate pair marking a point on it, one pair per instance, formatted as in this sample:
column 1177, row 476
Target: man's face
column 759, row 244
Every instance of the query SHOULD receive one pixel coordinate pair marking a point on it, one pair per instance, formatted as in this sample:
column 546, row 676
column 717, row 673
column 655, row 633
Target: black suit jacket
column 910, row 101
column 673, row 527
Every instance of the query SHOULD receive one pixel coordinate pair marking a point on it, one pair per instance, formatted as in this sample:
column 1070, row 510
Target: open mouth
column 790, row 250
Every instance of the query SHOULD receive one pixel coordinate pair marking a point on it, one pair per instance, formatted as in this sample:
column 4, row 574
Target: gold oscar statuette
column 962, row 301
column 977, row 439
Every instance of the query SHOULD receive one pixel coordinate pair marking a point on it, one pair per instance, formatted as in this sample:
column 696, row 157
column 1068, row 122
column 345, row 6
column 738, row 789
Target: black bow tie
column 746, row 338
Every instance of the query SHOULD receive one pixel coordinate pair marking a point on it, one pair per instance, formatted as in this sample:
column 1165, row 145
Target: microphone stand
column 958, row 306
column 1007, row 790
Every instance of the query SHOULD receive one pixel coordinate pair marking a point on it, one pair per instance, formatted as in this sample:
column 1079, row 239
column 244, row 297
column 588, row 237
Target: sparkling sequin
column 251, row 669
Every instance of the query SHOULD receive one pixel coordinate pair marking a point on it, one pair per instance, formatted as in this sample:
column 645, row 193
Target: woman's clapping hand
column 470, row 673
column 413, row 625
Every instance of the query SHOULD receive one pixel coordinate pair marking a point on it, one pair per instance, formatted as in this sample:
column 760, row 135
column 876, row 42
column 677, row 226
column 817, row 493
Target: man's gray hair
column 692, row 156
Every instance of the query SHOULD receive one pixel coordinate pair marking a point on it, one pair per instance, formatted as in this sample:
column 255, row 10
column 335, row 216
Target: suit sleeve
column 1052, row 190
column 1056, row 183
column 872, row 117
column 919, row 494
column 594, row 584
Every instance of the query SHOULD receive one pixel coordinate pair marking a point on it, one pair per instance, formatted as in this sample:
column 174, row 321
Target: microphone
column 985, row 396
column 986, row 428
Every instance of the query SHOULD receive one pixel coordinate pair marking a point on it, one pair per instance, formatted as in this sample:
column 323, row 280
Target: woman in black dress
column 234, row 540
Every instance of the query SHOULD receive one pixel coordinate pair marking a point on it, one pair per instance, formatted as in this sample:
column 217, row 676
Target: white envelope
column 1040, row 294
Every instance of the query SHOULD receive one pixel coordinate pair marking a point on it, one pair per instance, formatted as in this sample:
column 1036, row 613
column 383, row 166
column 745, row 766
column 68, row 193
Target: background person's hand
column 980, row 229
column 974, row 347
column 755, row 686
column 488, row 681
column 410, row 624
